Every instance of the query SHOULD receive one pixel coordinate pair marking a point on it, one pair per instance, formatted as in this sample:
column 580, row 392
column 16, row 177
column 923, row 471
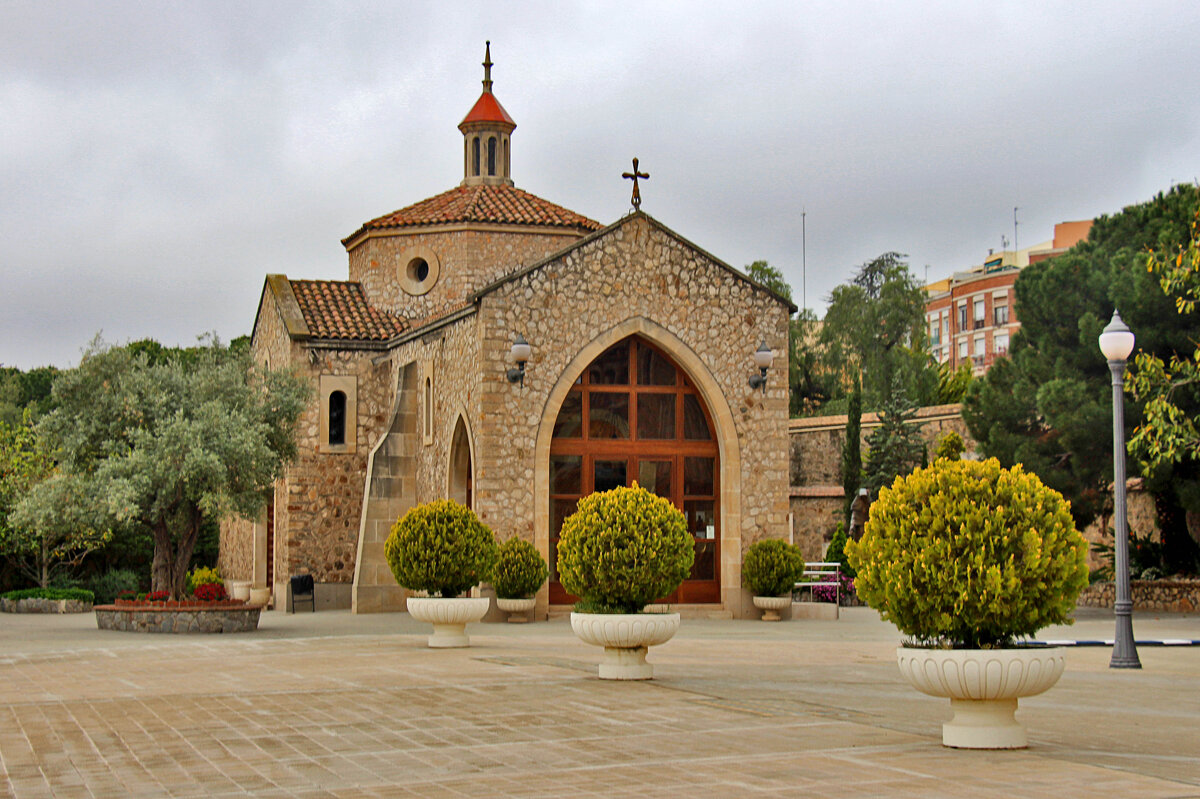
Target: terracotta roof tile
column 339, row 310
column 487, row 109
column 505, row 205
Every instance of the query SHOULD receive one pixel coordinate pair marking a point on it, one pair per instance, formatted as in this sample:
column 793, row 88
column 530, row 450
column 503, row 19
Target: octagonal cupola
column 486, row 130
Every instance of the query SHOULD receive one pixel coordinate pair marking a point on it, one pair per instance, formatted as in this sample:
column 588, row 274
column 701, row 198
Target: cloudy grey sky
column 158, row 159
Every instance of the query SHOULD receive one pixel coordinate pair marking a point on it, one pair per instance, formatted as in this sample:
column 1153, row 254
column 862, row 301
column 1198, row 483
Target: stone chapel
column 498, row 349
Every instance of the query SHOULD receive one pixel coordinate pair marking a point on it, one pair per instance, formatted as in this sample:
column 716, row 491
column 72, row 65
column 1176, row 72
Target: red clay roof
column 505, row 205
column 339, row 310
column 487, row 109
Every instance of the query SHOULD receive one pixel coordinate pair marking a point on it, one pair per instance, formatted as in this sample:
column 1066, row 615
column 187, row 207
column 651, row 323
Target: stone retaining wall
column 1171, row 596
column 45, row 606
column 178, row 620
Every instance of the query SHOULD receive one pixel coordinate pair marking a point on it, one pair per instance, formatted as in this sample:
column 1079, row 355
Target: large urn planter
column 771, row 605
column 517, row 609
column 983, row 686
column 449, row 617
column 625, row 638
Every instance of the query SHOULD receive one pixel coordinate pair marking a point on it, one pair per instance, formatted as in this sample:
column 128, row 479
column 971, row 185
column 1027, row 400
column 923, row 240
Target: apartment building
column 971, row 315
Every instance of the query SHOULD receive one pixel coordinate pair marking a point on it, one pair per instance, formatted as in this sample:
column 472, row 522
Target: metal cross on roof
column 634, row 175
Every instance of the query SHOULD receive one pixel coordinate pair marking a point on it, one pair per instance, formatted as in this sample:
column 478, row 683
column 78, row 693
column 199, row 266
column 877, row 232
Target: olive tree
column 171, row 443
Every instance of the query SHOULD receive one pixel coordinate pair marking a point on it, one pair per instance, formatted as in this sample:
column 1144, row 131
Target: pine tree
column 895, row 448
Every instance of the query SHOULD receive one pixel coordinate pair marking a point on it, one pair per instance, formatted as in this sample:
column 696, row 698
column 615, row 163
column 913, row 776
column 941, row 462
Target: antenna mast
column 803, row 259
column 1016, row 241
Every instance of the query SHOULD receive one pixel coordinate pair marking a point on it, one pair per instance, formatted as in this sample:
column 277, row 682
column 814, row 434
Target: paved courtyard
column 336, row 705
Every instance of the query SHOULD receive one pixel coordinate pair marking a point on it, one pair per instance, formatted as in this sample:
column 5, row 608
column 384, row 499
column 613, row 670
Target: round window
column 417, row 269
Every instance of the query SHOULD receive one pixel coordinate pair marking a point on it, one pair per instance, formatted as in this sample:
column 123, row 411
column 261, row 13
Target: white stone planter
column 771, row 605
column 625, row 637
column 449, row 617
column 517, row 609
column 260, row 596
column 983, row 686
column 238, row 589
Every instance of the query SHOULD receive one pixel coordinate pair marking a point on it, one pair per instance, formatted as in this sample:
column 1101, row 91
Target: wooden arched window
column 337, row 418
column 633, row 415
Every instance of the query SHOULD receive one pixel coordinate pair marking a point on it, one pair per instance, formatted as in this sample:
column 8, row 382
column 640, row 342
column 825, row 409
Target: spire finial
column 487, row 67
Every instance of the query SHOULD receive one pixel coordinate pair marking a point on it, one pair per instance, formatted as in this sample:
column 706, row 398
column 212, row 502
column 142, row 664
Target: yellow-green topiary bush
column 967, row 554
column 772, row 567
column 623, row 549
column 520, row 571
column 442, row 548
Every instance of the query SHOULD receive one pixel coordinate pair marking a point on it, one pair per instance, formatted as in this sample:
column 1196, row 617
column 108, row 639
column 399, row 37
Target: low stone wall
column 1171, row 596
column 178, row 620
column 45, row 606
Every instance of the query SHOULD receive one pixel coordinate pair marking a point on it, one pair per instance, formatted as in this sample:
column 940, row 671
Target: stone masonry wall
column 636, row 271
column 469, row 260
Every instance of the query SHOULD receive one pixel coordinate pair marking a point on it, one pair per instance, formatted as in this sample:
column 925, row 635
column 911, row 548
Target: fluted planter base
column 771, row 605
column 983, row 686
column 449, row 617
column 517, row 609
column 625, row 638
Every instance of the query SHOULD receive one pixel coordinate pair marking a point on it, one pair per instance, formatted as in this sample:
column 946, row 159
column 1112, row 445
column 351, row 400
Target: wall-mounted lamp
column 763, row 357
column 520, row 352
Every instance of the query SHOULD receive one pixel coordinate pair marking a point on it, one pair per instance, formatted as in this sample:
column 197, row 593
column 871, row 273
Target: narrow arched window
column 475, row 156
column 491, row 155
column 428, row 421
column 507, row 164
column 337, row 418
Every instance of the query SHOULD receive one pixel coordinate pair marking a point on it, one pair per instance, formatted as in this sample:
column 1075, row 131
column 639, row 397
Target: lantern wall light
column 763, row 358
column 520, row 352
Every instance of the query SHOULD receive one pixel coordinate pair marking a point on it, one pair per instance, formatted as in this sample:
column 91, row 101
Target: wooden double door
column 634, row 416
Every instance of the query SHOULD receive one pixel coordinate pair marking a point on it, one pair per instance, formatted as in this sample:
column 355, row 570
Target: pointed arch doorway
column 634, row 415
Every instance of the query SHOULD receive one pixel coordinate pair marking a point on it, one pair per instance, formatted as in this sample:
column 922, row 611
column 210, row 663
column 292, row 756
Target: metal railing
column 827, row 574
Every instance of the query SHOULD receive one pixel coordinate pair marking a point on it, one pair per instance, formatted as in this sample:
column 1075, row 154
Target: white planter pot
column 238, row 589
column 516, row 608
column 449, row 617
column 260, row 596
column 625, row 637
column 983, row 686
column 771, row 605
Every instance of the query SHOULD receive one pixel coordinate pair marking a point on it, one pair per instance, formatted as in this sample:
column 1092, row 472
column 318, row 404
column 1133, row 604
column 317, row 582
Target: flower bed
column 226, row 616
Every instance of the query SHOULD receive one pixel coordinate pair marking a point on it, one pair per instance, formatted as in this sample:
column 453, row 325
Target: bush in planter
column 210, row 592
column 772, row 567
column 623, row 549
column 113, row 582
column 441, row 548
column 80, row 594
column 967, row 554
column 520, row 570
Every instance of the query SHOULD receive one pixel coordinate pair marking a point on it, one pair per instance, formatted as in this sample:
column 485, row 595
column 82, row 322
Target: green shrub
column 203, row 575
column 772, row 567
column 968, row 554
column 106, row 586
column 623, row 549
column 442, row 548
column 50, row 593
column 950, row 446
column 836, row 553
column 520, row 570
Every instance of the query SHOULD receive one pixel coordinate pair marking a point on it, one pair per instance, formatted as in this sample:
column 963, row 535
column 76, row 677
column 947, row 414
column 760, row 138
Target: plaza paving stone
column 336, row 705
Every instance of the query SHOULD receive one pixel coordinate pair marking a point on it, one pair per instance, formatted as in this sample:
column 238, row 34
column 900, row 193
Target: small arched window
column 427, row 431
column 491, row 155
column 475, row 156
column 337, row 418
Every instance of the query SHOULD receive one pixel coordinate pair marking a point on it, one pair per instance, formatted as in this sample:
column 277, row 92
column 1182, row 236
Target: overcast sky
column 157, row 160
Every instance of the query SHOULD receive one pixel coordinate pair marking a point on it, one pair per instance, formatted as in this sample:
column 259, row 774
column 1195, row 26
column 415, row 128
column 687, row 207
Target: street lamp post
column 1116, row 342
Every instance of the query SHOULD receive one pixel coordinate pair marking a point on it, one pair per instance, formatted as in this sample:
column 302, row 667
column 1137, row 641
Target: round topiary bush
column 968, row 555
column 772, row 567
column 520, row 570
column 442, row 548
column 623, row 549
